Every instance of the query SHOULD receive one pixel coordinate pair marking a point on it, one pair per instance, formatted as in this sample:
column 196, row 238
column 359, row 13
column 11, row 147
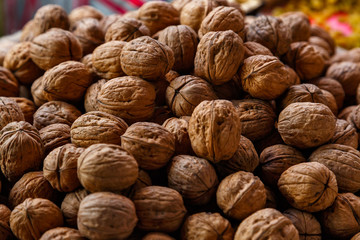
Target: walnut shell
column 179, row 127
column 27, row 107
column 96, row 218
column 333, row 86
column 27, row 31
column 205, row 226
column 143, row 180
column 293, row 75
column 87, row 61
column 272, row 139
column 9, row 112
column 126, row 29
column 305, row 124
column 240, row 194
column 161, row 113
column 322, row 33
column 159, row 209
column 331, row 101
column 5, row 46
column 147, row 58
column 157, row 236
column 254, row 48
column 347, row 73
column 55, row 135
column 37, row 92
column 346, row 56
column 320, row 42
column 53, row 47
column 70, row 206
column 309, row 186
column 108, row 20
column 218, row 56
column 9, row 86
column 347, row 112
column 186, row 92
column 90, row 98
column 97, row 127
column 299, row 25
column 345, row 134
column 55, row 112
column 82, row 12
column 130, row 98
column 264, row 224
column 4, row 214
column 33, row 217
column 151, row 144
column 61, row 233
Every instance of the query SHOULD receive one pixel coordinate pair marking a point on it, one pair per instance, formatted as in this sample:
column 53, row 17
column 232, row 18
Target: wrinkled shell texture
column 159, row 209
column 347, row 73
column 299, row 25
column 143, row 180
column 305, row 125
column 309, row 186
column 9, row 86
column 105, row 216
column 37, row 92
column 27, row 107
column 322, row 33
column 126, row 29
column 215, row 130
column 218, row 56
column 157, row 236
column 62, row 233
column 90, row 98
column 106, row 167
column 254, row 48
column 84, row 12
column 345, row 134
column 55, row 135
column 240, row 194
column 267, row 223
column 179, row 127
column 9, row 112
column 70, row 206
column 151, row 144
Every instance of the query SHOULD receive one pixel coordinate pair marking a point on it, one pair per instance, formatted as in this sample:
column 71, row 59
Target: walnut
column 130, row 98
column 21, row 149
column 244, row 159
column 306, row 224
column 257, row 118
column 186, row 92
column 194, row 178
column 320, row 42
column 90, row 98
column 5, row 46
column 179, row 4
column 9, row 86
column 31, row 185
column 309, row 186
column 97, row 221
column 218, row 56
column 53, row 47
column 126, row 29
column 143, row 180
column 271, row 198
column 27, row 107
column 203, row 226
column 60, row 233
column 264, row 77
column 240, row 194
column 27, row 31
column 157, row 15
column 89, row 33
column 345, row 134
column 272, row 139
column 160, row 89
column 70, row 206
column 306, row 125
column 299, row 25
column 341, row 220
column 346, row 56
column 82, row 12
column 55, row 112
column 161, row 113
column 331, row 101
column 179, row 127
column 33, row 217
column 333, row 86
column 293, row 75
column 87, row 61
column 37, row 92
column 4, row 214
column 108, row 20
column 347, row 73
column 159, row 209
column 9, row 112
column 322, row 33
column 157, row 236
column 18, row 61
column 346, row 112
column 323, row 52
column 147, row 58
column 254, row 48
column 151, row 144
column 183, row 42
column 230, row 90
column 215, row 130
column 55, row 135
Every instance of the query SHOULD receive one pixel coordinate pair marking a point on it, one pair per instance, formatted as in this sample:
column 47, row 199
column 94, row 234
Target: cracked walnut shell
column 126, row 29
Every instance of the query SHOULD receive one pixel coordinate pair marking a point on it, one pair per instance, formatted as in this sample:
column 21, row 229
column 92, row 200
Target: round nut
column 55, row 135
column 9, row 112
column 27, row 107
column 299, row 25
column 179, row 127
column 90, row 99
column 333, row 86
column 142, row 181
column 70, row 206
column 84, row 12
column 347, row 73
column 345, row 134
column 254, row 48
column 9, row 86
column 61, row 233
column 126, row 29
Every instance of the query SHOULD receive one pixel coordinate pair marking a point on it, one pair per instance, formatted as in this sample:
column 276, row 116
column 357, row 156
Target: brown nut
column 179, row 127
column 9, row 112
column 157, row 236
column 321, row 44
column 84, row 12
column 95, row 222
column 90, row 98
column 37, row 92
column 346, row 56
column 347, row 73
column 299, row 25
column 254, row 48
column 27, row 33
column 309, row 186
column 70, row 206
column 331, row 101
column 4, row 214
column 61, row 233
column 333, row 86
column 143, row 180
column 27, row 107
column 108, row 20
column 9, row 86
column 345, row 134
column 55, row 135
column 322, row 33
column 126, row 29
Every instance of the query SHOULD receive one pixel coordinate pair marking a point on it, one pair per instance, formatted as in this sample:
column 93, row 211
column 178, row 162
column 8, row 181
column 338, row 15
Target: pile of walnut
column 183, row 120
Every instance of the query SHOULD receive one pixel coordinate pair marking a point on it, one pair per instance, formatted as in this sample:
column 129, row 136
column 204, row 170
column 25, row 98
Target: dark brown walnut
column 70, row 206
column 331, row 101
column 215, row 130
column 230, row 90
column 323, row 52
column 186, row 92
column 10, row 111
column 254, row 48
column 346, row 112
column 160, row 89
column 343, row 161
column 130, row 98
column 151, row 144
column 271, row 32
column 157, row 236
column 60, row 167
column 218, row 56
column 309, row 186
column 21, row 149
column 55, row 135
column 53, row 47
column 307, row 225
column 244, row 159
column 4, row 214
column 299, row 25
column 97, row 127
column 347, row 73
column 67, row 81
column 272, row 139
column 5, row 231
column 271, row 198
column 126, row 29
column 33, row 217
column 161, row 113
column 90, row 98
column 37, row 92
column 320, row 42
column 240, row 194
column 345, row 134
column 159, row 209
column 89, row 34
column 108, row 20
column 293, row 75
column 341, row 220
column 147, row 58
column 257, row 118
column 61, row 233
column 18, row 61
column 306, row 125
column 194, row 178
column 265, row 77
column 55, row 112
column 27, row 107
column 157, row 15
column 183, row 42
column 9, row 86
column 333, row 86
column 179, row 127
column 143, row 180
column 322, row 33
column 204, row 226
column 95, row 220
column 274, row 160
column 346, row 56
column 264, row 224
column 221, row 19
column 106, row 167
column 31, row 185
column 82, row 12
